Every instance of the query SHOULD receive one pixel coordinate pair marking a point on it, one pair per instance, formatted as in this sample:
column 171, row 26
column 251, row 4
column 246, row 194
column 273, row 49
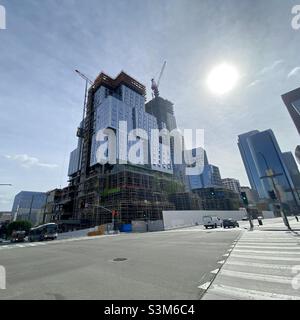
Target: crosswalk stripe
column 256, row 276
column 249, row 294
column 296, row 241
column 274, row 258
column 266, row 247
column 278, row 244
column 266, row 252
column 259, row 265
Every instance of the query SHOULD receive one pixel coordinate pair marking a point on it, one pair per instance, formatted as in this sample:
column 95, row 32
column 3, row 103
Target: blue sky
column 41, row 96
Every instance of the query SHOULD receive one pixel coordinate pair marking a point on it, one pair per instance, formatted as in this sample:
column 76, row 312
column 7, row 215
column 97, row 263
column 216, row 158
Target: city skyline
column 38, row 126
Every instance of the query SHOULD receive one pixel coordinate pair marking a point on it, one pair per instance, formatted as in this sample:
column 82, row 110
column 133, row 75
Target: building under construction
column 122, row 192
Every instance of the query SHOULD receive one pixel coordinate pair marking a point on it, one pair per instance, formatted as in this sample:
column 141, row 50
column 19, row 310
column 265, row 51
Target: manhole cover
column 119, row 259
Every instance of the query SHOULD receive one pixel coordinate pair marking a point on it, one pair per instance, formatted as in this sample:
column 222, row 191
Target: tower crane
column 155, row 85
column 87, row 82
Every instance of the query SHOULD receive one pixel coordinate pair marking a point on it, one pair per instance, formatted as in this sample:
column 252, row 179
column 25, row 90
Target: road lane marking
column 215, row 271
column 205, row 285
column 221, row 262
column 247, row 294
column 226, row 255
column 256, row 276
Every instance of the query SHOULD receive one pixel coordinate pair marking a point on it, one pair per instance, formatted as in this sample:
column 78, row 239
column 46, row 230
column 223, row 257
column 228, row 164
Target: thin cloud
column 271, row 67
column 294, row 72
column 254, row 83
column 27, row 161
column 263, row 72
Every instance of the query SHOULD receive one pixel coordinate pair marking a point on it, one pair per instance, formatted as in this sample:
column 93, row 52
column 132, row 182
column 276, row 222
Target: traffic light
column 244, row 198
column 272, row 195
column 114, row 213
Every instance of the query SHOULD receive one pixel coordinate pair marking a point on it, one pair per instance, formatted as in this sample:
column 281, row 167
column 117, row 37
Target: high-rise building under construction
column 135, row 191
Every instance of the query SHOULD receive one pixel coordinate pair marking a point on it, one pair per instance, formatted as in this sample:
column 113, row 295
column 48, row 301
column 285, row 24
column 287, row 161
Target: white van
column 212, row 222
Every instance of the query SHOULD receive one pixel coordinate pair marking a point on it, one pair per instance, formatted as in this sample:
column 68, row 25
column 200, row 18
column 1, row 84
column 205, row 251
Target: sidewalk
column 262, row 265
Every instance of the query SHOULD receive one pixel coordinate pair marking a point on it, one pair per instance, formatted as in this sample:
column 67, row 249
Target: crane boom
column 155, row 85
column 84, row 77
column 161, row 73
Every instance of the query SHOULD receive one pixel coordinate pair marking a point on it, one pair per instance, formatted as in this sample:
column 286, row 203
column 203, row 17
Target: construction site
column 103, row 193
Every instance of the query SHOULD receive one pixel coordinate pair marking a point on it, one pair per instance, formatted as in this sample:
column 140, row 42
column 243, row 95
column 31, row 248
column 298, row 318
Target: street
column 162, row 265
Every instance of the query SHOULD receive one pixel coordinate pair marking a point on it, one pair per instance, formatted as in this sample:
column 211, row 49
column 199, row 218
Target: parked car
column 18, row 236
column 212, row 222
column 230, row 223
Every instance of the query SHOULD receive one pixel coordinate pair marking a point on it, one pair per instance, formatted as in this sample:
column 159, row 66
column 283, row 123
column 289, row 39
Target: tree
column 18, row 226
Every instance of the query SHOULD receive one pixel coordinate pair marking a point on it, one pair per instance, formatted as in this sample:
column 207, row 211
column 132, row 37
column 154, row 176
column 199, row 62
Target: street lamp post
column 271, row 175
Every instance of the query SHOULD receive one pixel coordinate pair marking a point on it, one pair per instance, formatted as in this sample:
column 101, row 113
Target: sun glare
column 222, row 79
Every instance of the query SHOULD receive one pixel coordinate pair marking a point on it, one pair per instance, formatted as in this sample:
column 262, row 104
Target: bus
column 43, row 233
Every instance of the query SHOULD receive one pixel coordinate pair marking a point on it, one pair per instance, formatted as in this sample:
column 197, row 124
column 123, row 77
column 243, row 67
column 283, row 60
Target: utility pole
column 271, row 175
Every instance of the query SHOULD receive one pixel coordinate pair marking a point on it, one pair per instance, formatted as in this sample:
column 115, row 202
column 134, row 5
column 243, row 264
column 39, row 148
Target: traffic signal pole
column 270, row 175
column 246, row 203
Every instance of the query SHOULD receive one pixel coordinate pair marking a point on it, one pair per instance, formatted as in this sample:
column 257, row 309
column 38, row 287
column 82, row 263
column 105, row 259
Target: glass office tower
column 264, row 154
column 250, row 166
column 292, row 102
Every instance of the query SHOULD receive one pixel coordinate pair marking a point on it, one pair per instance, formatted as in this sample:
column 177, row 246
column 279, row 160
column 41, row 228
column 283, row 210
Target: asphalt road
column 162, row 265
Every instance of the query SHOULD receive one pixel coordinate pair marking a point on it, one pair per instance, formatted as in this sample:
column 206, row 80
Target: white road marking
column 264, row 257
column 267, row 247
column 270, row 241
column 204, row 286
column 215, row 271
column 266, row 252
column 229, row 250
column 221, row 262
column 247, row 294
column 259, row 265
column 226, row 255
column 279, row 244
column 255, row 276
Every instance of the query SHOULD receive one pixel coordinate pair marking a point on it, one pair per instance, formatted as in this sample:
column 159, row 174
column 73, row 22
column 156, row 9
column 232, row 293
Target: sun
column 222, row 79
